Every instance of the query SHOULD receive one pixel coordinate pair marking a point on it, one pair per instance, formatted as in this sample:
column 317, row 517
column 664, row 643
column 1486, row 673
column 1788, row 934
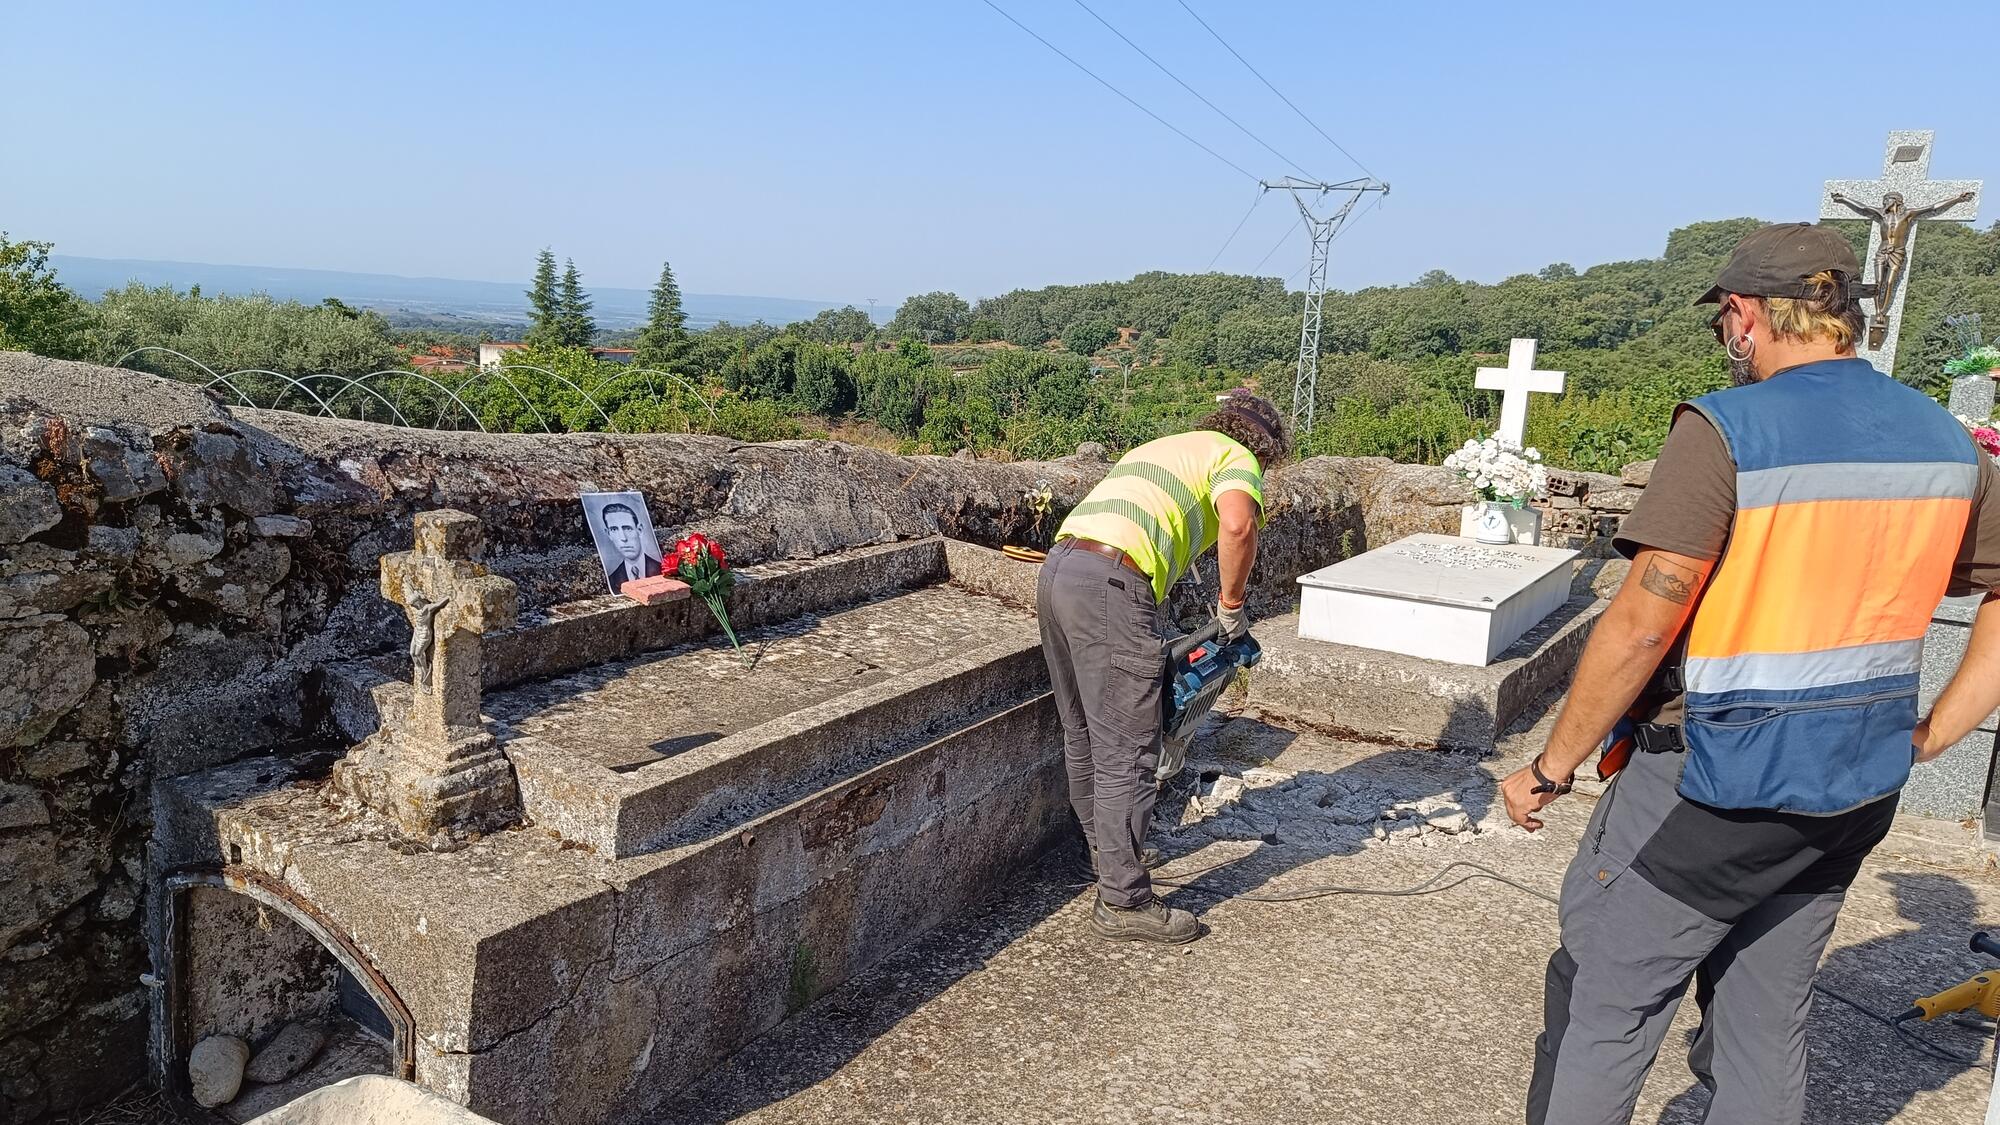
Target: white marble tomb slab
column 1437, row 597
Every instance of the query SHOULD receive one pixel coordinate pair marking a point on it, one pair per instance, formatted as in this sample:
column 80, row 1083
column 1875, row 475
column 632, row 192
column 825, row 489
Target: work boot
column 1083, row 863
column 1155, row 922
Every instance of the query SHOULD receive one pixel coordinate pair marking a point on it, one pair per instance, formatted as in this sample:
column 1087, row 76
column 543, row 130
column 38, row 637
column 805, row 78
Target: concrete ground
column 1339, row 1009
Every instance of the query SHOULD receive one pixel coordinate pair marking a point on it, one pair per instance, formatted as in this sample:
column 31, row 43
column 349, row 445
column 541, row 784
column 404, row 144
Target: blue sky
column 844, row 151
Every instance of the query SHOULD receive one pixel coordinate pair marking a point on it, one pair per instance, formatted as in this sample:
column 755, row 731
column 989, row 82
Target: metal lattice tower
column 1305, row 193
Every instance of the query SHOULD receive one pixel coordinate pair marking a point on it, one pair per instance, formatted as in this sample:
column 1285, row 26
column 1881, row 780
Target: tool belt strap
column 1658, row 738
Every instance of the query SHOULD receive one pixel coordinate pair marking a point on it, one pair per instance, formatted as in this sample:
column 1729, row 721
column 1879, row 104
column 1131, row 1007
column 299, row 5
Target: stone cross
column 1894, row 205
column 451, row 600
column 438, row 768
column 1516, row 381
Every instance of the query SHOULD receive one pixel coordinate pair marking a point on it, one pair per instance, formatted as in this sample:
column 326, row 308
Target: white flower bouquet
column 1501, row 471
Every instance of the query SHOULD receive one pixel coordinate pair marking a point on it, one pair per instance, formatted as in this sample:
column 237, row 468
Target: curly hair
column 1253, row 423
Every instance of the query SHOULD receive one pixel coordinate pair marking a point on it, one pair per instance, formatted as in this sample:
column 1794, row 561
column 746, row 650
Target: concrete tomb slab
column 706, row 848
column 1437, row 597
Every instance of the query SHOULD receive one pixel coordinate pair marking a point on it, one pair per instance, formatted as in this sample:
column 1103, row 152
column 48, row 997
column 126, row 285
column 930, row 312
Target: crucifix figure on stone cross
column 450, row 600
column 1893, row 206
column 438, row 768
column 1515, row 382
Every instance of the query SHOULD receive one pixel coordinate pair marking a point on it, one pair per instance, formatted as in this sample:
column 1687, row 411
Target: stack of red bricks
column 1583, row 510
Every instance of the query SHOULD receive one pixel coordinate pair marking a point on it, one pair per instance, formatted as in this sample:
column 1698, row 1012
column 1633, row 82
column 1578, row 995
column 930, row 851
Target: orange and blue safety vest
column 1852, row 495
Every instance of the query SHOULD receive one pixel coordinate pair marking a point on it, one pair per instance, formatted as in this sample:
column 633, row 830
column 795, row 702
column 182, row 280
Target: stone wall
column 1583, row 512
column 174, row 572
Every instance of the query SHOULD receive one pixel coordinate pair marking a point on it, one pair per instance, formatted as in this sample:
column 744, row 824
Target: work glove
column 1235, row 622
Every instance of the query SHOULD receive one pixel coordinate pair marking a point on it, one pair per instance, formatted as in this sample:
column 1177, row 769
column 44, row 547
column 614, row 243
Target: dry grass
column 138, row 1105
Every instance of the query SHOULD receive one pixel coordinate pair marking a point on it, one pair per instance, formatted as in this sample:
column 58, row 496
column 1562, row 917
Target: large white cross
column 1515, row 382
column 1906, row 169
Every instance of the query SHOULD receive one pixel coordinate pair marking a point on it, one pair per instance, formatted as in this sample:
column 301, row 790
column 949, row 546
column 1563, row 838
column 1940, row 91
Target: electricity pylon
column 1305, row 386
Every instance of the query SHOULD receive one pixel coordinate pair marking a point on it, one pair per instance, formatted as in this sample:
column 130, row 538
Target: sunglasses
column 1715, row 322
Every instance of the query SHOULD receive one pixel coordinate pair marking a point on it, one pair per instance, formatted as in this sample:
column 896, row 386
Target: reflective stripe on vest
column 1852, row 494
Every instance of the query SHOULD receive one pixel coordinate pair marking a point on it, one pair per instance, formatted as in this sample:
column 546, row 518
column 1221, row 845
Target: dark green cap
column 1775, row 261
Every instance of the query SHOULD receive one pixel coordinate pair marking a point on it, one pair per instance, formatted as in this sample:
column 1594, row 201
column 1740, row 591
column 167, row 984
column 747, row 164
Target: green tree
column 1192, row 341
column 663, row 343
column 37, row 313
column 574, row 326
column 229, row 334
column 934, row 318
column 1090, row 336
column 844, row 325
column 544, row 302
column 821, row 383
column 985, row 330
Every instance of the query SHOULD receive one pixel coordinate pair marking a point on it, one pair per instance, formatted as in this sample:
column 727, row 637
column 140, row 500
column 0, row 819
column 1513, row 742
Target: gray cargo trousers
column 1104, row 638
column 1663, row 889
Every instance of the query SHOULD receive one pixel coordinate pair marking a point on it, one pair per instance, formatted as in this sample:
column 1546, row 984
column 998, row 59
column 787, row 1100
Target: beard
column 1740, row 372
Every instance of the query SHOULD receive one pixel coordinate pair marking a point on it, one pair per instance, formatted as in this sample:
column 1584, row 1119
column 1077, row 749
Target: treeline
column 1031, row 373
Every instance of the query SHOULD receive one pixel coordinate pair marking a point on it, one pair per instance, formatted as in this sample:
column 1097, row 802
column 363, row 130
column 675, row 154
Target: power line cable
column 1267, row 85
column 1274, row 248
column 1129, row 98
column 1239, row 227
column 1436, row 883
column 1162, row 67
column 1377, row 202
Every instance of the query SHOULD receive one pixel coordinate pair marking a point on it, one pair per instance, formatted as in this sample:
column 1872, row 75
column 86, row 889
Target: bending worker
column 1798, row 532
column 1101, row 597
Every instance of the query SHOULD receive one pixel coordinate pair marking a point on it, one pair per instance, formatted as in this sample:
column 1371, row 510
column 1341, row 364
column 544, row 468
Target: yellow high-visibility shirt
column 1158, row 503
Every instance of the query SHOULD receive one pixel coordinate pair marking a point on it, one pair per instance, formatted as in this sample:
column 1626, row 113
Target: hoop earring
column 1749, row 347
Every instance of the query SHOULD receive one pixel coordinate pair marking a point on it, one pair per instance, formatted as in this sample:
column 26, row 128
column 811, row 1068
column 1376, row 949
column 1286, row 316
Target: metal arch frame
column 171, row 1037
column 350, row 384
column 520, row 394
column 499, row 369
column 690, row 387
column 433, row 382
column 213, row 378
column 290, row 384
column 1305, row 384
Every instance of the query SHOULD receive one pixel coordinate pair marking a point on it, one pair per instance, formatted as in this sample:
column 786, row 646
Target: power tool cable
column 1436, row 883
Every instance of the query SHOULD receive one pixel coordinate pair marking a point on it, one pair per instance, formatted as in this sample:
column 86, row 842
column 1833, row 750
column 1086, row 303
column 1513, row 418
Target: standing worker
column 1798, row 532
column 1100, row 599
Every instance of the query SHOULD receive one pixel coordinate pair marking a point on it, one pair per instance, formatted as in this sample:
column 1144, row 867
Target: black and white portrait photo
column 623, row 531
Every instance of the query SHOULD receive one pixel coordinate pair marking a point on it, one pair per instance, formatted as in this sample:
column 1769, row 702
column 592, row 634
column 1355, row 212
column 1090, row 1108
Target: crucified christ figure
column 1895, row 221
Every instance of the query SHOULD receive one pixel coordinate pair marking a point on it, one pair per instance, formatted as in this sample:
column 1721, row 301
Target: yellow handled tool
column 1981, row 992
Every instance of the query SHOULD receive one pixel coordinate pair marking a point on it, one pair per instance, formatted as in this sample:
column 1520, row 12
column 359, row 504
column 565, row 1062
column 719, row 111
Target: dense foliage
column 1032, row 373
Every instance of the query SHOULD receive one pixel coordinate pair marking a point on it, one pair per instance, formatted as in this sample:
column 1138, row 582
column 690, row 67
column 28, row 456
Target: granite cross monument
column 1893, row 206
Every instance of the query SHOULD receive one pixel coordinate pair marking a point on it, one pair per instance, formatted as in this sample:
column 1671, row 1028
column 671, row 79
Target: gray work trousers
column 1661, row 890
column 1103, row 636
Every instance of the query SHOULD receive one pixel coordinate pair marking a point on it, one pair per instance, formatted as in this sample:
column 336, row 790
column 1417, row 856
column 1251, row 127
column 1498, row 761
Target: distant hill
column 419, row 296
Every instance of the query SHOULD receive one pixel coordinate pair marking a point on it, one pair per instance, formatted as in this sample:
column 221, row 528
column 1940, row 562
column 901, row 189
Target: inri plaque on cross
column 1893, row 206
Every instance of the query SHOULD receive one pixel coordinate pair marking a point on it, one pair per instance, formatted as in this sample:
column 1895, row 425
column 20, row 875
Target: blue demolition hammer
column 1198, row 671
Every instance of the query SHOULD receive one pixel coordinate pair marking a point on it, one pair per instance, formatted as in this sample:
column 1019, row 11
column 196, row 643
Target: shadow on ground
column 1928, row 959
column 822, row 1039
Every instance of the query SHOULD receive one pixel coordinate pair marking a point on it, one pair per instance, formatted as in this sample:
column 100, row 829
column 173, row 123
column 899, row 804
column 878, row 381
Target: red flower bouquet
column 700, row 562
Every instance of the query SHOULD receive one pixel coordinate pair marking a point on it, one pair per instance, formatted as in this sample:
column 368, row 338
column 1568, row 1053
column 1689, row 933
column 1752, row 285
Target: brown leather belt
column 1108, row 551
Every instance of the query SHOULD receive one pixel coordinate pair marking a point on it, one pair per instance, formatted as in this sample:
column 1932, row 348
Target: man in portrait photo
column 622, row 530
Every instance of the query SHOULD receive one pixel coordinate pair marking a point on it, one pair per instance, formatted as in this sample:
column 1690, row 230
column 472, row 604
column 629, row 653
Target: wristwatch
column 1544, row 784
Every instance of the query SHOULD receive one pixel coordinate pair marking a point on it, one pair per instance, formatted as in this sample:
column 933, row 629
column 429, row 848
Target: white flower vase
column 1493, row 522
